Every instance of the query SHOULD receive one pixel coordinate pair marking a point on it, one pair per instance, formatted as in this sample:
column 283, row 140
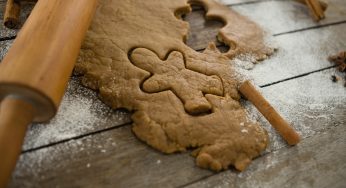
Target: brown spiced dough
column 134, row 55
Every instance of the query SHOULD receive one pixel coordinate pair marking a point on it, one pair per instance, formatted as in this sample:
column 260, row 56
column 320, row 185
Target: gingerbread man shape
column 171, row 74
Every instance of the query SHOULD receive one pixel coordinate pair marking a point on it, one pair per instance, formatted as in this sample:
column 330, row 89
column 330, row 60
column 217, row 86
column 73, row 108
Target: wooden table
column 90, row 145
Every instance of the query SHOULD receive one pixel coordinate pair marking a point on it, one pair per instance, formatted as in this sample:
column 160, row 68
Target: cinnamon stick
column 315, row 9
column 323, row 4
column 12, row 13
column 275, row 119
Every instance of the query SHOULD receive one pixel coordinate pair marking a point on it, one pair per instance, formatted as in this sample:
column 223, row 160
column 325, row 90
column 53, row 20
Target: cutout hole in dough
column 200, row 35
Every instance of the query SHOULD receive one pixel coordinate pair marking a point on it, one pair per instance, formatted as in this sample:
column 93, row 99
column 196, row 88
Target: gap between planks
column 76, row 137
column 310, row 28
column 221, row 45
column 298, row 76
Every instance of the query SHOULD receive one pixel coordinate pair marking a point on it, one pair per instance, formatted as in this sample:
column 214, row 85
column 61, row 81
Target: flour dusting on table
column 81, row 112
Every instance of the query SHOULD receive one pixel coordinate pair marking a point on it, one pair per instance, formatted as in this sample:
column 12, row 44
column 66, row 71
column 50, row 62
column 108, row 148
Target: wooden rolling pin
column 36, row 69
column 250, row 92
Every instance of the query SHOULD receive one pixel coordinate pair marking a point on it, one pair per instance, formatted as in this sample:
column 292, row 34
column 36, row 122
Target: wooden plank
column 113, row 158
column 285, row 16
column 301, row 53
column 116, row 157
column 7, row 33
column 319, row 161
column 275, row 16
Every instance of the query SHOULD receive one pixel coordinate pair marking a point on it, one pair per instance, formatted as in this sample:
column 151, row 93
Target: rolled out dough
column 134, row 55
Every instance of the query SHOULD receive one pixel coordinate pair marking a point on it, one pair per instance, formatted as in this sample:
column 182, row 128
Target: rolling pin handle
column 15, row 116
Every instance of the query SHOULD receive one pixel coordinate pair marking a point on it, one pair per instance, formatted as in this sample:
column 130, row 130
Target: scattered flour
column 81, row 112
column 313, row 98
column 244, row 131
column 47, row 162
column 312, row 104
column 5, row 47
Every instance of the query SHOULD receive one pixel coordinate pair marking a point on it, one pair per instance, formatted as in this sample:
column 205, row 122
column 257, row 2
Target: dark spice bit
column 334, row 78
column 339, row 60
